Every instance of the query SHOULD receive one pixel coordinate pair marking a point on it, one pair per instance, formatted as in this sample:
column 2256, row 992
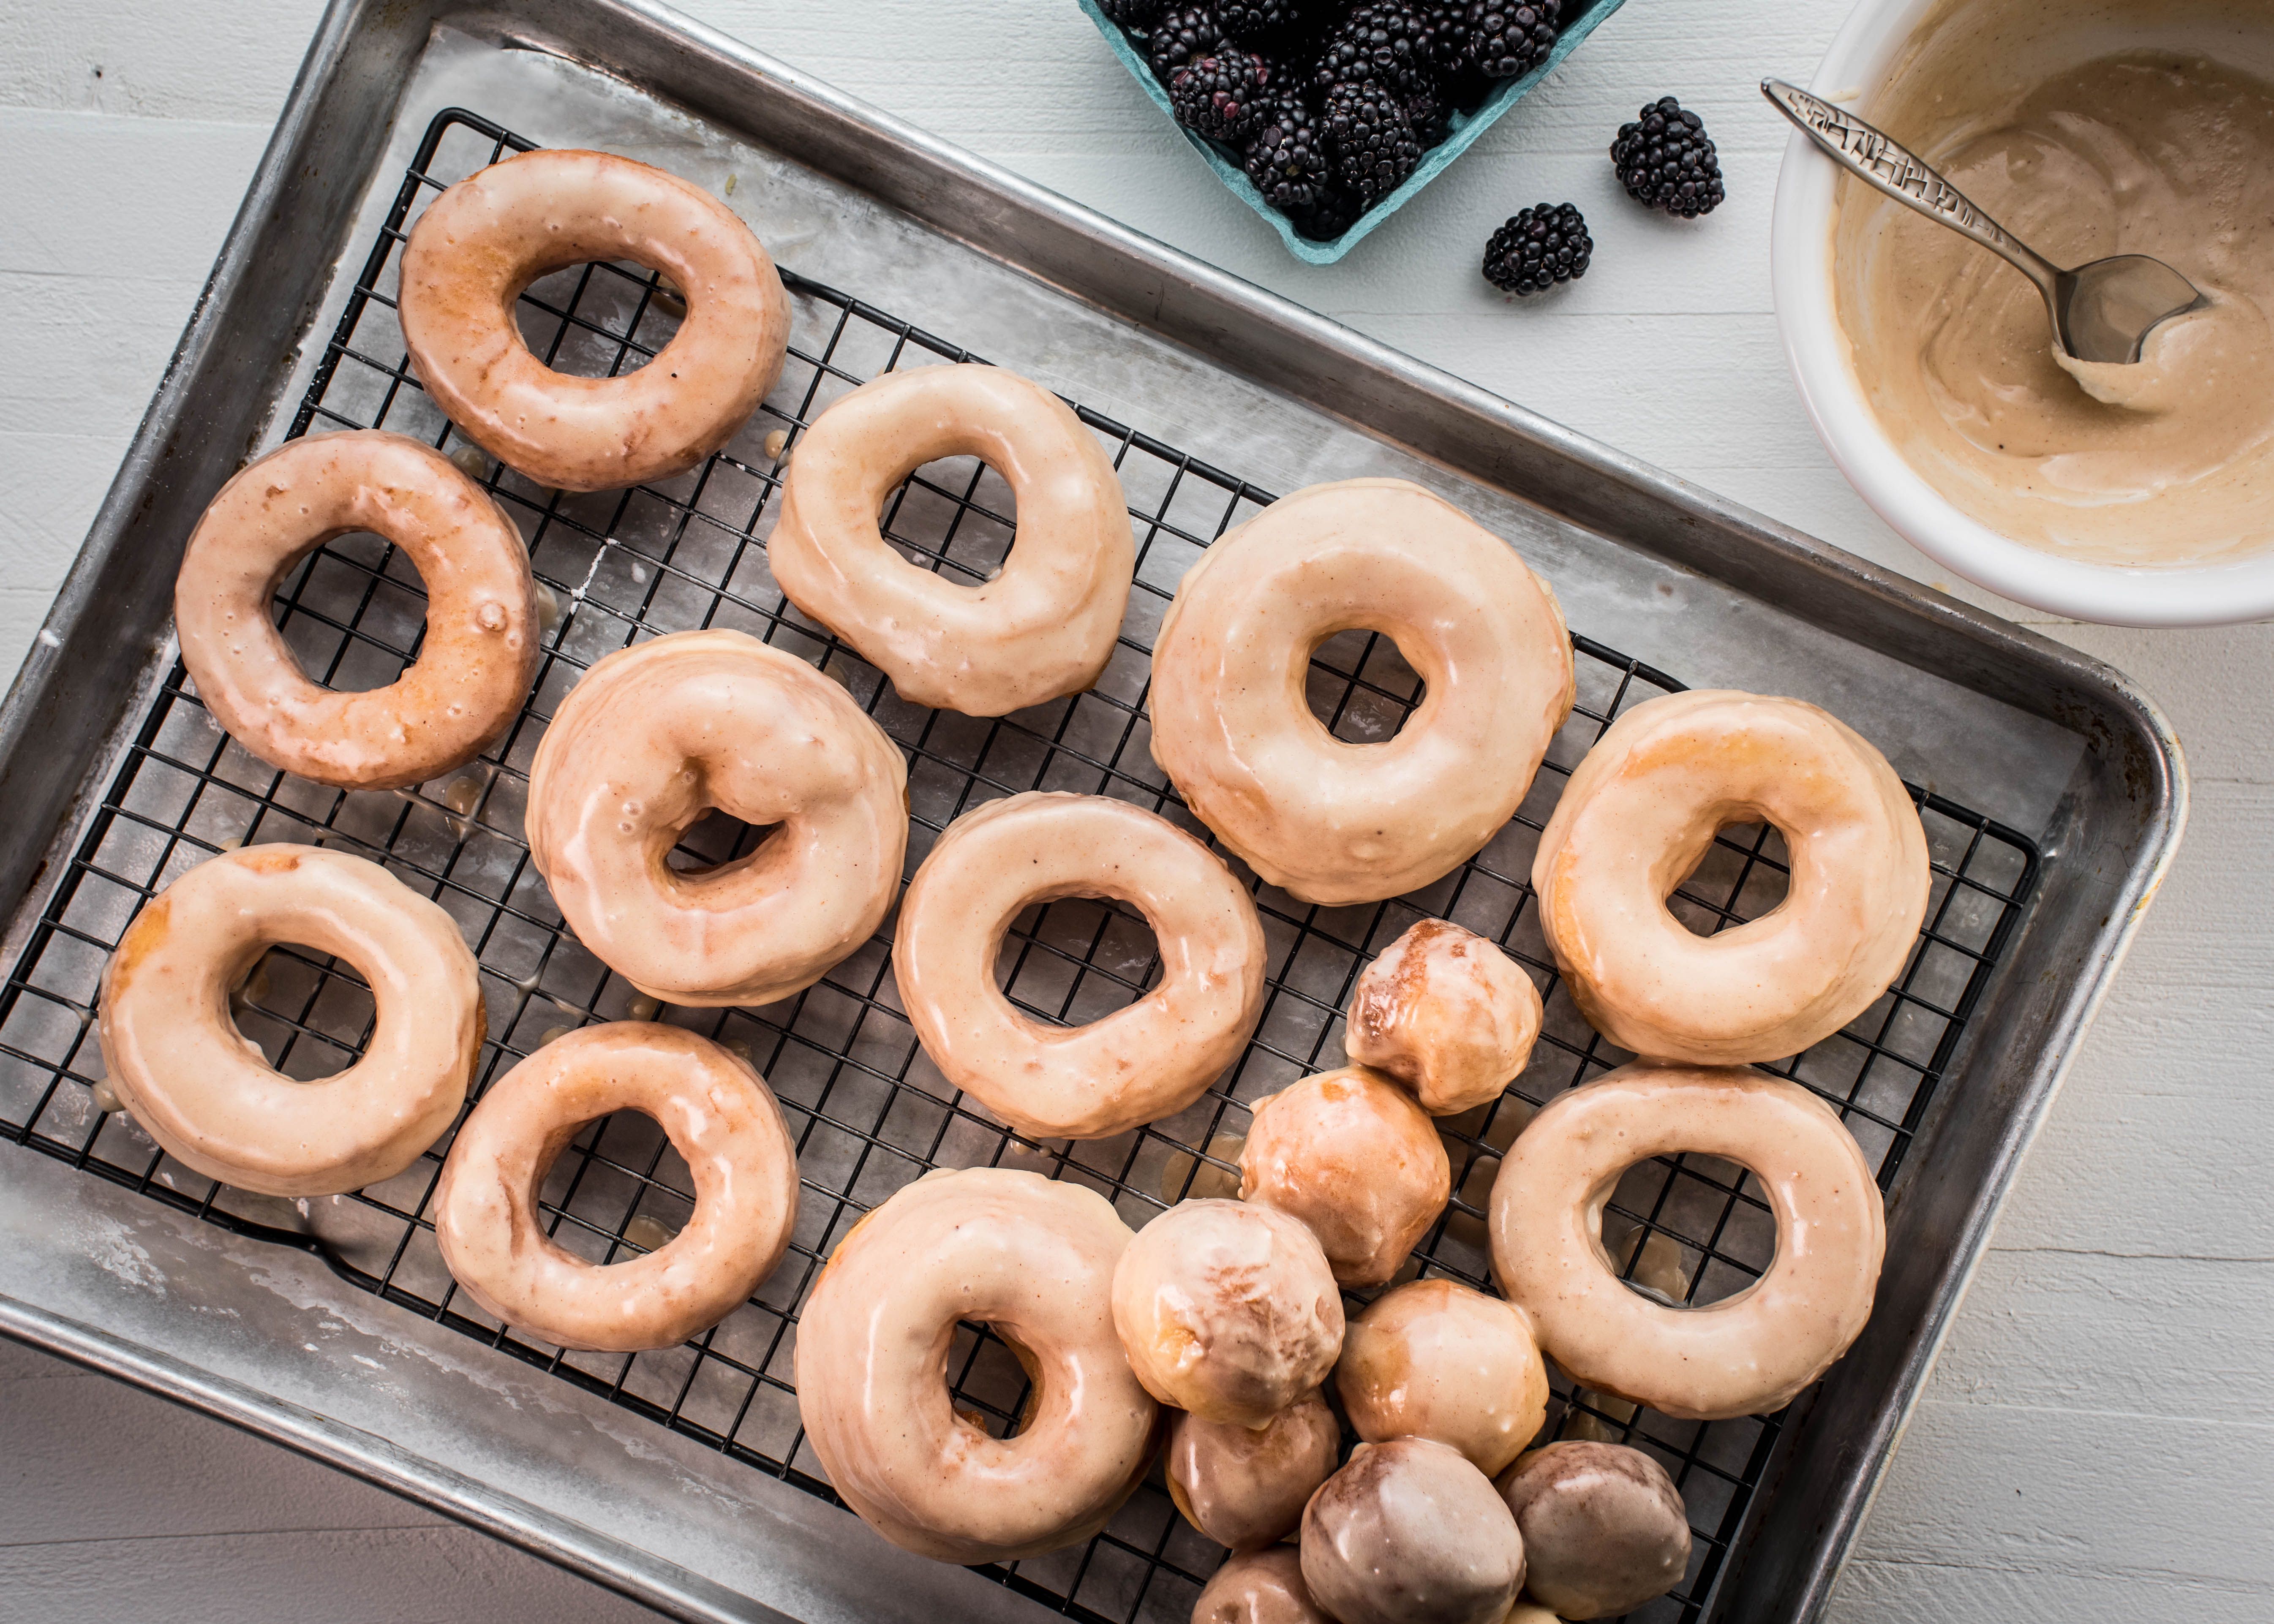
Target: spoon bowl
column 2100, row 312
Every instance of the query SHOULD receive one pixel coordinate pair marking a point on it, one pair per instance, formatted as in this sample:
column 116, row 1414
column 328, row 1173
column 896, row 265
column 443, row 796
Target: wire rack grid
column 868, row 1111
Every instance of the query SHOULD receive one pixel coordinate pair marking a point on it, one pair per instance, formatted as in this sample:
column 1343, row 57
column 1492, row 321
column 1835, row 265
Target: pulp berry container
column 1581, row 18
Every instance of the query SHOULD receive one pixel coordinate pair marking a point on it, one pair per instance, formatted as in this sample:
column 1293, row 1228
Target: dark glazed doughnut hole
column 1409, row 1533
column 1604, row 1528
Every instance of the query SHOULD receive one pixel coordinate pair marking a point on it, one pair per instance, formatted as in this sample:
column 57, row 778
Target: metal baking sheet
column 2054, row 748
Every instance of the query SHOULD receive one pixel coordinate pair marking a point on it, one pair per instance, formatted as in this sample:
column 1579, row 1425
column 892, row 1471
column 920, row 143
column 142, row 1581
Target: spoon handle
column 1878, row 162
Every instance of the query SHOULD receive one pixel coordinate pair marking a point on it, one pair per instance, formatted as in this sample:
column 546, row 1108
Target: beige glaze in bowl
column 1878, row 39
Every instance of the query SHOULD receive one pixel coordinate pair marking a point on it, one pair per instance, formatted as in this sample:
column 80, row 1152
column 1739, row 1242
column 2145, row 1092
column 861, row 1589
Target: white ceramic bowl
column 1800, row 258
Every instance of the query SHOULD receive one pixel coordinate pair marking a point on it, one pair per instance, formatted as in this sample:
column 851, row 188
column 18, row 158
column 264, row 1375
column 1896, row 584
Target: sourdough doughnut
column 1044, row 625
column 204, row 1093
column 1354, row 1158
column 1409, row 1533
column 1336, row 822
column 1446, row 1014
column 1227, row 1310
column 1245, row 1488
column 1433, row 1359
column 658, row 734
column 474, row 664
column 1640, row 813
column 485, row 240
column 1033, row 1260
column 1746, row 1354
column 1146, row 1061
column 721, row 1118
column 1259, row 1587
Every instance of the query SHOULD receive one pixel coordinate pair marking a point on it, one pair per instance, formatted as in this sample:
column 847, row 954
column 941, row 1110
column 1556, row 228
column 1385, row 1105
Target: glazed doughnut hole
column 1360, row 687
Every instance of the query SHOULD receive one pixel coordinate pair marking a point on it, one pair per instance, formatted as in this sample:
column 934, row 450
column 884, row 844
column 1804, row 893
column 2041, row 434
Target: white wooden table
column 2096, row 1441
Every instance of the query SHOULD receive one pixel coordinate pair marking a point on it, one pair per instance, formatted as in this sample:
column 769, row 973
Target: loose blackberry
column 1537, row 248
column 1666, row 160
column 1180, row 36
column 1371, row 138
column 1388, row 43
column 1287, row 159
column 1511, row 37
column 1137, row 16
column 1275, row 23
column 1220, row 95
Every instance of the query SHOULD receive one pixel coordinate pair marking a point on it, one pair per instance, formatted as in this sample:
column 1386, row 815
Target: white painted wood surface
column 2096, row 1444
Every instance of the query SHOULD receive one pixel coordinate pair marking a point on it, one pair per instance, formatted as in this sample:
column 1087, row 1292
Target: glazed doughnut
column 203, row 1092
column 1261, row 1587
column 1032, row 1259
column 1604, row 1528
column 1146, row 1061
column 656, row 736
column 1327, row 821
column 1446, row 1014
column 1041, row 626
column 720, row 1117
column 1433, row 1359
column 485, row 240
column 1245, row 1488
column 1353, row 1157
column 1640, row 813
column 474, row 664
column 1227, row 1310
column 1747, row 1355
column 1409, row 1533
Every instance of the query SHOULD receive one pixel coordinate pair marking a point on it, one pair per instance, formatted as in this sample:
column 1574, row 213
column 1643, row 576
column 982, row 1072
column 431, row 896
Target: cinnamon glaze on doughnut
column 657, row 734
column 474, row 663
column 1642, row 810
column 1353, row 1157
column 1333, row 821
column 721, row 1118
column 1033, row 1260
column 479, row 244
column 1044, row 625
column 178, row 1063
column 1246, row 1486
column 1146, row 1061
column 1446, row 1014
column 1433, row 1359
column 1747, row 1355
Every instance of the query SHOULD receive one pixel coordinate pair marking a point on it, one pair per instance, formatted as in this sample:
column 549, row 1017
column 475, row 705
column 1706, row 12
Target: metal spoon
column 2101, row 312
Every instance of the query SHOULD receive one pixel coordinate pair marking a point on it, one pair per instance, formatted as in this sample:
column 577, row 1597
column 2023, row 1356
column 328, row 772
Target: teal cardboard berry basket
column 1583, row 18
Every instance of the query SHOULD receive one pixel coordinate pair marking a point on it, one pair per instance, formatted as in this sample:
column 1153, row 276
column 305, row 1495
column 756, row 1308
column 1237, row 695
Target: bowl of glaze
column 1876, row 39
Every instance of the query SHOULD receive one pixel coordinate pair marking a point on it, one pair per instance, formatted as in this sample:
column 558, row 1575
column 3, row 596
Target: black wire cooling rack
column 868, row 1111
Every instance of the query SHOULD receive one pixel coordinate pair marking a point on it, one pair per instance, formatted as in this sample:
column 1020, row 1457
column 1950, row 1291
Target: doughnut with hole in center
column 1641, row 812
column 718, row 1114
column 658, row 734
column 201, row 1089
column 1747, row 1355
column 475, row 661
column 1148, row 1060
column 1033, row 1259
column 477, row 248
column 1044, row 624
column 1446, row 1014
column 1333, row 821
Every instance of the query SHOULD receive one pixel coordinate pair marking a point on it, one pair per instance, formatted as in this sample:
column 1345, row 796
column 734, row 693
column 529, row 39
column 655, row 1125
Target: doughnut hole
column 305, row 1013
column 955, row 516
column 599, row 320
column 1360, row 687
column 1744, row 875
column 359, row 580
column 1078, row 959
column 714, row 842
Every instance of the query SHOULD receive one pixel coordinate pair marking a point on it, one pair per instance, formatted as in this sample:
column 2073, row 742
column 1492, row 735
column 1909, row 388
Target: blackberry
column 1537, row 248
column 1287, row 159
column 1277, row 23
column 1220, row 95
column 1187, row 31
column 1332, row 214
column 1511, row 37
column 1371, row 138
column 1427, row 112
column 1137, row 16
column 1388, row 43
column 1665, row 159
